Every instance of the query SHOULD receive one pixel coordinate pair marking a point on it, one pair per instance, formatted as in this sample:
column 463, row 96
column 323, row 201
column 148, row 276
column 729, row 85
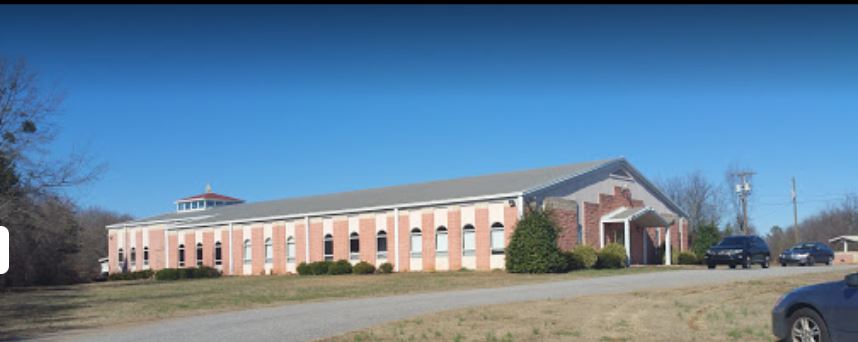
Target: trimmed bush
column 533, row 246
column 612, row 256
column 320, row 267
column 144, row 274
column 303, row 268
column 363, row 267
column 582, row 257
column 187, row 273
column 687, row 258
column 385, row 268
column 340, row 267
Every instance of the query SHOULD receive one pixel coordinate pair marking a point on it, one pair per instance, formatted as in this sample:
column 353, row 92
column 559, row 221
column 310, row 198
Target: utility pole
column 794, row 211
column 743, row 189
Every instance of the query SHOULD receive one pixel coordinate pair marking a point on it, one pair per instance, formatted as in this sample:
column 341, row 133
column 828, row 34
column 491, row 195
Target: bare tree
column 697, row 196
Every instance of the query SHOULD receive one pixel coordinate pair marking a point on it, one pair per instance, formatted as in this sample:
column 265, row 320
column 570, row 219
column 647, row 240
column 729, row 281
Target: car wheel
column 711, row 267
column 810, row 261
column 766, row 262
column 806, row 325
column 733, row 266
column 829, row 261
column 746, row 264
column 783, row 264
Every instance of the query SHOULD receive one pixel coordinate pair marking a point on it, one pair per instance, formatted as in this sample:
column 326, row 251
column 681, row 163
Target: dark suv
column 738, row 250
column 807, row 253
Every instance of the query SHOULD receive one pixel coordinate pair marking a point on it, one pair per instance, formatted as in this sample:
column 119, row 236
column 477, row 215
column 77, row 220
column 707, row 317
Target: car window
column 733, row 240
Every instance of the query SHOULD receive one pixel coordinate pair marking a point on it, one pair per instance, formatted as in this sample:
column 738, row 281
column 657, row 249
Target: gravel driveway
column 300, row 322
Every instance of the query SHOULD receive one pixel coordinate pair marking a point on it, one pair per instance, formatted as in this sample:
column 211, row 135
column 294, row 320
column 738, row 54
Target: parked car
column 821, row 312
column 744, row 250
column 807, row 253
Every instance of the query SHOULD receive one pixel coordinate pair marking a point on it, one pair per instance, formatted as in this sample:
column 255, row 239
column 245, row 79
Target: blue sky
column 268, row 102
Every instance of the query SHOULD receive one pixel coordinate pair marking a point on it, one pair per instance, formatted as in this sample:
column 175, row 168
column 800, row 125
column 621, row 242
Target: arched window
column 329, row 247
column 269, row 250
column 416, row 243
column 469, row 241
column 441, row 241
column 497, row 238
column 181, row 255
column 133, row 256
column 199, row 253
column 248, row 250
column 145, row 256
column 290, row 249
column 381, row 244
column 354, row 246
column 218, row 254
column 121, row 257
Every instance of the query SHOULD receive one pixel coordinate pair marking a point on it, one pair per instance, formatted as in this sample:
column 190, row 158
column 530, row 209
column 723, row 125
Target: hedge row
column 341, row 267
column 144, row 274
column 187, row 273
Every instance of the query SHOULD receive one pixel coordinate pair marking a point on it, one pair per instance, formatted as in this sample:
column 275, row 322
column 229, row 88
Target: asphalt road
column 301, row 322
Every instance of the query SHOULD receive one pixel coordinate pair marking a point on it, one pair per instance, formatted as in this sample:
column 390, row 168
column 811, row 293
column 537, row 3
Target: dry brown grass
column 729, row 312
column 39, row 310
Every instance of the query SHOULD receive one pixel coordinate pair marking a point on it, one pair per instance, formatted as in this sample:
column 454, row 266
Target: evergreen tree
column 533, row 247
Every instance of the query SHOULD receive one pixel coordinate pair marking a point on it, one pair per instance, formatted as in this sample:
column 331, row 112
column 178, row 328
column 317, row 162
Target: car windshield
column 733, row 241
column 804, row 246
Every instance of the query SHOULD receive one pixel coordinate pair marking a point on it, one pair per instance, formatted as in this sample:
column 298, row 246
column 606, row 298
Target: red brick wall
column 113, row 251
column 404, row 236
column 224, row 251
column 428, row 223
column 317, row 246
column 366, row 229
column 510, row 220
column 300, row 241
column 454, row 239
column 483, row 244
column 208, row 248
column 237, row 250
column 257, row 240
column 591, row 224
column 278, row 234
column 156, row 249
column 567, row 222
column 172, row 250
column 190, row 249
column 341, row 240
column 138, row 238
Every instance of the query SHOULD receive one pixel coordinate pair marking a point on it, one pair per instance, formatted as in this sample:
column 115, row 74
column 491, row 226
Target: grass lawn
column 32, row 311
column 729, row 312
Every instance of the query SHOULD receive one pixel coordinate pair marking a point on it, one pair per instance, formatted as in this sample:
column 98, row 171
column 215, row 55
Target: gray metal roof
column 401, row 195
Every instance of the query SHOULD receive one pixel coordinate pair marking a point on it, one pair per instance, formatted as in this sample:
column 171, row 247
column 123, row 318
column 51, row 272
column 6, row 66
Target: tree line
column 52, row 239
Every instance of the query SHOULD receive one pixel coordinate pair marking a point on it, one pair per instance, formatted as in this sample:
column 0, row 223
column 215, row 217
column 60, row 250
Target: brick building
column 434, row 226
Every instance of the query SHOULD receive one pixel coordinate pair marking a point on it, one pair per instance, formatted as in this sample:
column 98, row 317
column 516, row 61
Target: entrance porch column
column 627, row 241
column 667, row 245
column 645, row 246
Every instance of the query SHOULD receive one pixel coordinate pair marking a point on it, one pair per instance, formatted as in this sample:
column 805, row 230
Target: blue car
column 821, row 312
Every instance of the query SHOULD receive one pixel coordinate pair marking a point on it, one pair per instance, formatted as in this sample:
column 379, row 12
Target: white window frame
column 133, row 257
column 290, row 249
column 354, row 255
column 145, row 255
column 466, row 231
column 442, row 232
column 379, row 253
column 181, row 257
column 199, row 253
column 497, row 227
column 328, row 238
column 416, row 248
column 248, row 252
column 269, row 251
column 218, row 247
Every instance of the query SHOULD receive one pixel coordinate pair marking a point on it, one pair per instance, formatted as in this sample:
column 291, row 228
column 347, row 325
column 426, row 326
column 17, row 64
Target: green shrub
column 144, row 274
column 303, row 268
column 687, row 258
column 581, row 257
column 363, row 267
column 612, row 256
column 340, row 267
column 533, row 246
column 187, row 273
column 319, row 267
column 385, row 268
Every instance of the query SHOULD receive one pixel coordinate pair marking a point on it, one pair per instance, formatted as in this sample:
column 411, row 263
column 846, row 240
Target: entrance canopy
column 844, row 239
column 646, row 217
